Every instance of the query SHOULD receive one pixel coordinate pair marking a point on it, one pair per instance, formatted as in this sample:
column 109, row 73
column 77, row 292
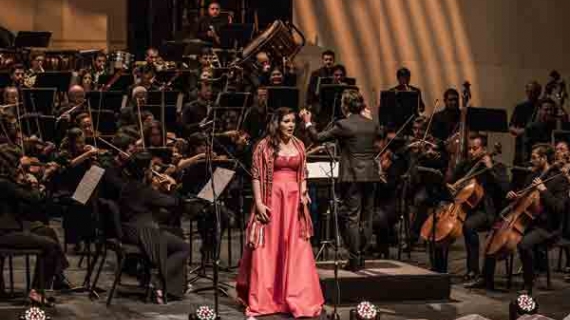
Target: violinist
column 86, row 80
column 10, row 95
column 548, row 224
column 137, row 201
column 495, row 183
column 427, row 154
column 16, row 197
column 129, row 114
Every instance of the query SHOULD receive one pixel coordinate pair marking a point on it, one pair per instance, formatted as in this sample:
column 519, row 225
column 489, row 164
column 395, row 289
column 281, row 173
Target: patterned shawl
column 262, row 170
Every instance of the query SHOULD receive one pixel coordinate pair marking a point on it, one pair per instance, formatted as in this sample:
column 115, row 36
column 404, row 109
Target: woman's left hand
column 305, row 199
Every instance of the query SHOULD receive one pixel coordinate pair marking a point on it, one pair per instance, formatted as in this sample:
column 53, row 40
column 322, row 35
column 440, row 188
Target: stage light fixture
column 364, row 311
column 34, row 313
column 522, row 305
column 204, row 313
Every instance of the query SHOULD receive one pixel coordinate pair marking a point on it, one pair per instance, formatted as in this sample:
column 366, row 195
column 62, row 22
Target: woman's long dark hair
column 273, row 128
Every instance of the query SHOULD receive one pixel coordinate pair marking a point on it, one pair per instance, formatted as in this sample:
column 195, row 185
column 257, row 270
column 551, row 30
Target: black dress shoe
column 470, row 276
column 353, row 265
column 480, row 283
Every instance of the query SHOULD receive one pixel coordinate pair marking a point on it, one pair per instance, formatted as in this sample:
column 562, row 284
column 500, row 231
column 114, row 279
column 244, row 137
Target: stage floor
column 127, row 306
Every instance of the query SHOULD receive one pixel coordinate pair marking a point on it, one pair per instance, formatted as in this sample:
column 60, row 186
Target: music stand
column 105, row 100
column 5, row 80
column 54, row 79
column 122, row 84
column 487, row 119
column 155, row 98
column 39, row 100
column 105, row 122
column 35, row 39
column 330, row 97
column 236, row 35
column 560, row 136
column 227, row 103
column 278, row 97
column 170, row 114
column 40, row 125
column 396, row 107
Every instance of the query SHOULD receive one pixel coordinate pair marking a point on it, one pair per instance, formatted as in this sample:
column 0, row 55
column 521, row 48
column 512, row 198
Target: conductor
column 358, row 172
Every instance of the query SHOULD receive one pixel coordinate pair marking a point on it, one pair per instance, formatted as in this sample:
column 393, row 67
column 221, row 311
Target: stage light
column 364, row 311
column 204, row 313
column 522, row 305
column 34, row 313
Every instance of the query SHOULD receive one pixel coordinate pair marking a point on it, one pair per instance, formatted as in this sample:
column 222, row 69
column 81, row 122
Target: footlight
column 204, row 313
column 34, row 313
column 365, row 311
column 523, row 304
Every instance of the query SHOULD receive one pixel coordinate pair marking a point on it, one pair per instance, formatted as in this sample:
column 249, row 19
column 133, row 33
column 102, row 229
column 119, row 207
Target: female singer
column 277, row 271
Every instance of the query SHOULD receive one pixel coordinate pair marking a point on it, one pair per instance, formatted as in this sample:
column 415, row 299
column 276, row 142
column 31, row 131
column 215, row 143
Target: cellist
column 547, row 225
column 495, row 182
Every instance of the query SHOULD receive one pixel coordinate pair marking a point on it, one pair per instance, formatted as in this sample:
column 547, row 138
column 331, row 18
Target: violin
column 467, row 193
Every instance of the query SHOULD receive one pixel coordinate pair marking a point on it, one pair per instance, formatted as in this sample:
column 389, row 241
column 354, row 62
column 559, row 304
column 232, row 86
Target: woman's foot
column 158, row 297
column 36, row 298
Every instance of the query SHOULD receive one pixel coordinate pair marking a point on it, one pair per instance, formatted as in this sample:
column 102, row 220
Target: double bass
column 467, row 193
column 515, row 219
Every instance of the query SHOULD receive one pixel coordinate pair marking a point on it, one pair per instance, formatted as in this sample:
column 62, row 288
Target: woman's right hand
column 262, row 213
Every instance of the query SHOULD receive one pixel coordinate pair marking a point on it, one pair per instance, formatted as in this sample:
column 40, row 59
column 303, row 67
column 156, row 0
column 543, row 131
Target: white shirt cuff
column 308, row 124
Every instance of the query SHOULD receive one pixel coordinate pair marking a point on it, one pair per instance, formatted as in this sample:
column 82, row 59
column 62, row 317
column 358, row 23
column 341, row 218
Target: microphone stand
column 334, row 201
column 218, row 226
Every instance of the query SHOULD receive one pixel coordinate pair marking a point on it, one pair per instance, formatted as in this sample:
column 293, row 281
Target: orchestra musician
column 547, row 227
column 524, row 114
column 197, row 111
column 136, row 200
column 446, row 121
column 256, row 116
column 404, row 75
column 86, row 80
column 539, row 130
column 325, row 71
column 37, row 62
column 16, row 194
column 495, row 183
column 10, row 95
column 424, row 196
column 358, row 172
column 17, row 75
column 99, row 67
column 210, row 26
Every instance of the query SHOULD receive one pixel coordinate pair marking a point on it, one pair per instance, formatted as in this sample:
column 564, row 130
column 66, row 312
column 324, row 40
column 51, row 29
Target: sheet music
column 322, row 170
column 88, row 184
column 222, row 178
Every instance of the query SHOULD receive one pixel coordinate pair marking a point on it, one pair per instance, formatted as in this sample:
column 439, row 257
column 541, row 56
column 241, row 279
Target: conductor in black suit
column 358, row 173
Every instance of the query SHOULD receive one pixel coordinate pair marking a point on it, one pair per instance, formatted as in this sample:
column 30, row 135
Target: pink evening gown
column 281, row 276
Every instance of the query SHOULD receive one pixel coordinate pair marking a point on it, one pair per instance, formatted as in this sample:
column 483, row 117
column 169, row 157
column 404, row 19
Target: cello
column 467, row 193
column 515, row 219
